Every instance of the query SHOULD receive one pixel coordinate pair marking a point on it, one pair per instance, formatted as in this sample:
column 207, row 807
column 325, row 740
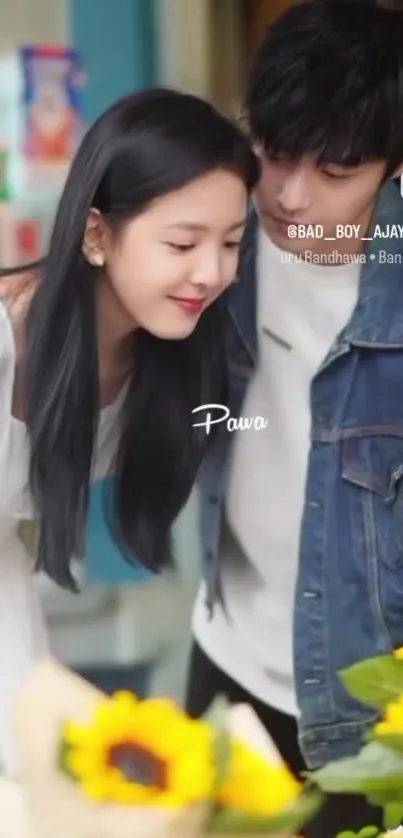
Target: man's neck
column 349, row 239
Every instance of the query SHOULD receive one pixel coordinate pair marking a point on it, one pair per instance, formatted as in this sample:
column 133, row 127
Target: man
column 302, row 520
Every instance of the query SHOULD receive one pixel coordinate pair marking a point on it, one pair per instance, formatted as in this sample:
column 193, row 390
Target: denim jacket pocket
column 374, row 464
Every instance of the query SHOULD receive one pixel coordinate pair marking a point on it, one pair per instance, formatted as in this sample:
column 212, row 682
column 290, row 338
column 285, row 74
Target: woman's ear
column 94, row 239
column 398, row 172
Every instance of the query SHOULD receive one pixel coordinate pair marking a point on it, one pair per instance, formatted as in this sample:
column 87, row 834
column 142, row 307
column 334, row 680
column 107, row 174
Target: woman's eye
column 232, row 245
column 180, row 248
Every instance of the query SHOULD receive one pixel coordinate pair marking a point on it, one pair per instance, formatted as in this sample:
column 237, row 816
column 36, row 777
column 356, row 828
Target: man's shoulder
column 241, row 295
column 246, row 274
column 388, row 216
column 250, row 236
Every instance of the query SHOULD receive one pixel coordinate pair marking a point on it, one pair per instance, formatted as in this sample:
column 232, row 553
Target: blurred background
column 62, row 62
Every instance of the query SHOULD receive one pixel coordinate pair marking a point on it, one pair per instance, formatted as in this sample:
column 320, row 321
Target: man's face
column 301, row 193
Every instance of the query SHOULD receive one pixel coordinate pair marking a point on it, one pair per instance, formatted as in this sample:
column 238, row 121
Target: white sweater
column 305, row 306
column 23, row 633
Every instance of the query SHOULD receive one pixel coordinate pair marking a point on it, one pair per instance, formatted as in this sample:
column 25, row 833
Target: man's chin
column 281, row 238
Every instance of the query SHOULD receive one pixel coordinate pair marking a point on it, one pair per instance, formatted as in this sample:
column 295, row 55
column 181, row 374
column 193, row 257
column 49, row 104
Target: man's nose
column 294, row 195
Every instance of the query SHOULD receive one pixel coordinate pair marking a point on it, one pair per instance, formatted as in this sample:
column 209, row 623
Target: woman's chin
column 173, row 330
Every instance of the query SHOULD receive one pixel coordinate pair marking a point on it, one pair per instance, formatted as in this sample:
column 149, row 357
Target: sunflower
column 392, row 722
column 142, row 753
column 254, row 786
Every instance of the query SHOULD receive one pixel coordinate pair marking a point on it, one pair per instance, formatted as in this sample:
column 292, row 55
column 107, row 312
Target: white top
column 305, row 305
column 22, row 629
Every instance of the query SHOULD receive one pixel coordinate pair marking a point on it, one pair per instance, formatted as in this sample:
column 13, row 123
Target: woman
column 107, row 347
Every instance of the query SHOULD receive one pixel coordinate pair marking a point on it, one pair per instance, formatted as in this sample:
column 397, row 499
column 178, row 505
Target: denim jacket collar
column 378, row 317
column 242, row 296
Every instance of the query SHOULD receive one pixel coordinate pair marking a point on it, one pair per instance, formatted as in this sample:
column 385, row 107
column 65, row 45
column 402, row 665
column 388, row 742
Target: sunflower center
column 138, row 765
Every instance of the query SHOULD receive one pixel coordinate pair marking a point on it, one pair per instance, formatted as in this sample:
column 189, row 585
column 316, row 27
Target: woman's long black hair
column 143, row 147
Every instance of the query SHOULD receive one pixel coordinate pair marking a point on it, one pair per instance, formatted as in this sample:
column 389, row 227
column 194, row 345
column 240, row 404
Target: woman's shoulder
column 16, row 293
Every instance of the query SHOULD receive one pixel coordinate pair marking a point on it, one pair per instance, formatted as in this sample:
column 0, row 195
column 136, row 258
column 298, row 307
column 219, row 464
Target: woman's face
column 172, row 261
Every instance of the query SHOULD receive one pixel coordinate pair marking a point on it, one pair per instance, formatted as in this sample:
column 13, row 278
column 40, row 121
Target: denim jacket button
column 315, row 504
column 310, row 594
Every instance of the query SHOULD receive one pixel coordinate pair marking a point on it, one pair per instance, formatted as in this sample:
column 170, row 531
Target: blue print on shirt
column 105, row 562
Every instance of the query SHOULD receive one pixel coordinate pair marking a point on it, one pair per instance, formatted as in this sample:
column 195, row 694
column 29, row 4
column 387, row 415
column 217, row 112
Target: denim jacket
column 349, row 593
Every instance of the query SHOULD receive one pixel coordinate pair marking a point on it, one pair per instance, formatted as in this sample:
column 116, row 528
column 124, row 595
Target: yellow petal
column 94, row 788
column 381, row 728
column 393, row 718
column 83, row 763
column 255, row 787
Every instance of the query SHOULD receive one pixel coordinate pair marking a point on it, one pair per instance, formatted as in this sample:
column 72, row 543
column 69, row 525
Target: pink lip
column 282, row 222
column 193, row 304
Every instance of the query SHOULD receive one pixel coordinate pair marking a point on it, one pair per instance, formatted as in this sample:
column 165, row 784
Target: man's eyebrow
column 192, row 226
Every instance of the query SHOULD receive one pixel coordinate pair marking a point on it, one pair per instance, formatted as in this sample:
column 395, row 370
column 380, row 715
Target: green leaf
column 365, row 832
column 393, row 814
column 228, row 821
column 376, row 771
column 375, row 682
column 389, row 740
column 217, row 712
column 61, row 764
column 217, row 716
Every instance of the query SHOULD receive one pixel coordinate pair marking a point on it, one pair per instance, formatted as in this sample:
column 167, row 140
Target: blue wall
column 117, row 39
column 118, row 44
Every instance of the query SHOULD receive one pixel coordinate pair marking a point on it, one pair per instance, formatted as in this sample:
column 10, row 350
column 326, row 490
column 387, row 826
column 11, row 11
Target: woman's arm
column 22, row 626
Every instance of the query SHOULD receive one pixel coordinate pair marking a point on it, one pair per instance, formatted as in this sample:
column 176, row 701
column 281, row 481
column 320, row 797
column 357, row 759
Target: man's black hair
column 328, row 81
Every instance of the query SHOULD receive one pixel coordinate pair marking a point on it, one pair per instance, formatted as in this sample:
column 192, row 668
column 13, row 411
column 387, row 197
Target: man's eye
column 278, row 157
column 337, row 175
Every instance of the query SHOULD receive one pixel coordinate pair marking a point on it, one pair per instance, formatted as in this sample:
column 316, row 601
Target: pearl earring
column 97, row 260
